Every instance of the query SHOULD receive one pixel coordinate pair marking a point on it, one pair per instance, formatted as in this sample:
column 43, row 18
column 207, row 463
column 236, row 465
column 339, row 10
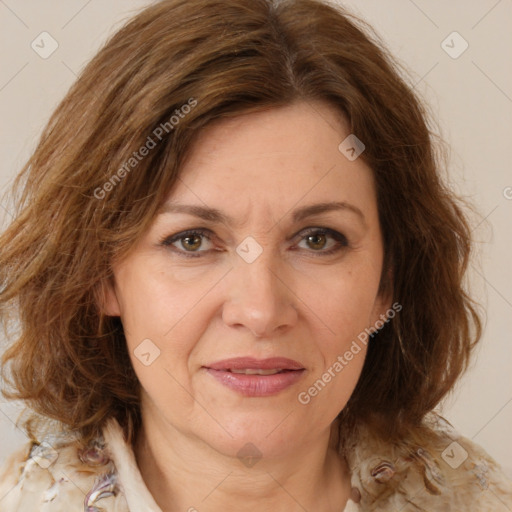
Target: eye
column 323, row 240
column 189, row 242
column 195, row 242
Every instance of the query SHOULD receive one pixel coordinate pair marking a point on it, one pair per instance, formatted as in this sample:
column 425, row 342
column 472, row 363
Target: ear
column 106, row 297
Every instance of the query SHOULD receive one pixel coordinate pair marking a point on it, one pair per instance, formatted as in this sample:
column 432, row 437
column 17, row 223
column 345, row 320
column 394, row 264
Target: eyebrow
column 216, row 216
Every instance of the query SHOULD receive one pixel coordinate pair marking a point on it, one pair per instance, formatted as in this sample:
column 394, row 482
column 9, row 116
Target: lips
column 250, row 363
column 256, row 377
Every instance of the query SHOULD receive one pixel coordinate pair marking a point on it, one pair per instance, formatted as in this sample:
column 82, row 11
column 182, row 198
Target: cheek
column 343, row 299
column 342, row 302
column 329, row 387
column 146, row 315
column 160, row 329
column 154, row 301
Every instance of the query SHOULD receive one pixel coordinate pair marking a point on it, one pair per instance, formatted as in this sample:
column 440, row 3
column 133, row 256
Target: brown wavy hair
column 68, row 361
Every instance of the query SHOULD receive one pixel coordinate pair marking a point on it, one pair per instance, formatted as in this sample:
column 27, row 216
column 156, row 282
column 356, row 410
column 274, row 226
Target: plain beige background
column 469, row 91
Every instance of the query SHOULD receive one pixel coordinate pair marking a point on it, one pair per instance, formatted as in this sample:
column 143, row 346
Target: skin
column 293, row 301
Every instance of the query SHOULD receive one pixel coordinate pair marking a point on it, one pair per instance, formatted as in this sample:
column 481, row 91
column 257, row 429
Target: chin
column 256, row 433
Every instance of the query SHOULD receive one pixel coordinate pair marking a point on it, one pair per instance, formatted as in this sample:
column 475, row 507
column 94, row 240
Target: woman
column 223, row 267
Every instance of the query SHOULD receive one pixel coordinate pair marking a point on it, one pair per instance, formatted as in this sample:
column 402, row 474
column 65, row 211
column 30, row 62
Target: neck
column 185, row 474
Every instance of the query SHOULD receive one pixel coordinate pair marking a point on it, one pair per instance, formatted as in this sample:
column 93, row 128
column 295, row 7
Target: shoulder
column 442, row 471
column 59, row 474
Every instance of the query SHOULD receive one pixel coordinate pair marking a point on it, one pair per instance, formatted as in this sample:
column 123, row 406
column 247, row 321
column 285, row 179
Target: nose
column 259, row 300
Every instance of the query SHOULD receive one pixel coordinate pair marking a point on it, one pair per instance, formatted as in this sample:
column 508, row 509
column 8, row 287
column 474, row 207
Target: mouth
column 237, row 364
column 258, row 371
column 256, row 377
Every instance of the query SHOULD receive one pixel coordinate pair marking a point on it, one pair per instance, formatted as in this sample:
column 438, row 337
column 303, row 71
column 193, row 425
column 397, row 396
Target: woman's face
column 268, row 247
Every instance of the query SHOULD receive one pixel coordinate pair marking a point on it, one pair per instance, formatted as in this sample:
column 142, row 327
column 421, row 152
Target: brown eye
column 323, row 241
column 192, row 242
column 317, row 241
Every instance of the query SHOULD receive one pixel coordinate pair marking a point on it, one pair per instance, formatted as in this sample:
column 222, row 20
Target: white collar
column 130, row 480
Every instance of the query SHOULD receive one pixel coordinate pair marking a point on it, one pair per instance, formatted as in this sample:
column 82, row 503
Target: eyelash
column 341, row 240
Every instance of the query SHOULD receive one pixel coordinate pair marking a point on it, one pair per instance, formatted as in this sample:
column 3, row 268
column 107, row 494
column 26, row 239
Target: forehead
column 272, row 160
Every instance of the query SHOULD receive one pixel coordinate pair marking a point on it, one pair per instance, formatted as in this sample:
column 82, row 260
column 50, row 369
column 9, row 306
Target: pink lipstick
column 256, row 377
